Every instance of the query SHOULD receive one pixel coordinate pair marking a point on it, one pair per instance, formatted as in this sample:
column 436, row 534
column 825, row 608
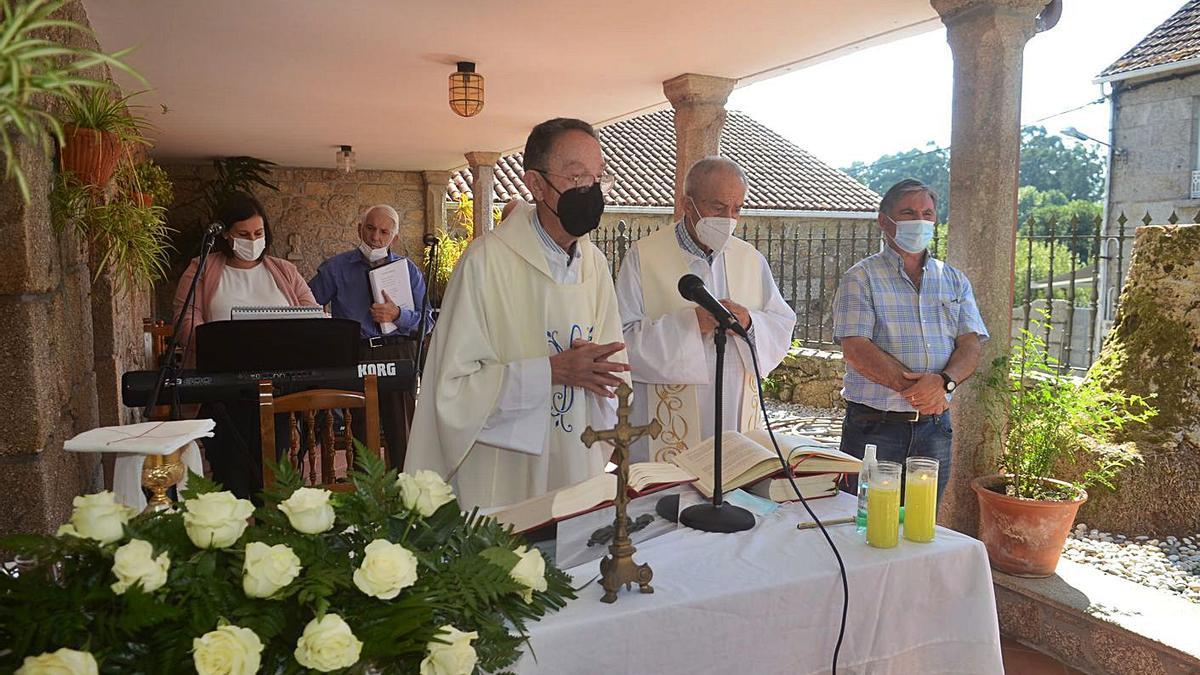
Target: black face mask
column 579, row 211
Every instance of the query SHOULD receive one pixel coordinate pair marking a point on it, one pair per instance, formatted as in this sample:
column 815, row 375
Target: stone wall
column 49, row 389
column 314, row 215
column 809, row 377
column 1154, row 350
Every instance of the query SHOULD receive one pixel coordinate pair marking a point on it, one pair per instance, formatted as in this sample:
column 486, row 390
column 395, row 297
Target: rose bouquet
column 390, row 578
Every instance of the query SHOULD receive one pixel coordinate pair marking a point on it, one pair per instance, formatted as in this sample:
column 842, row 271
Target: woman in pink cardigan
column 239, row 273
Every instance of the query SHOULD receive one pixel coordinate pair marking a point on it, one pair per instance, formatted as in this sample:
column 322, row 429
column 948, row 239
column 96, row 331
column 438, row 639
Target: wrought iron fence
column 1067, row 275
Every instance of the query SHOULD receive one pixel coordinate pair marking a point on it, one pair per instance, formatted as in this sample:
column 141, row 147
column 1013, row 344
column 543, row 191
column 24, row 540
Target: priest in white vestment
column 527, row 349
column 670, row 339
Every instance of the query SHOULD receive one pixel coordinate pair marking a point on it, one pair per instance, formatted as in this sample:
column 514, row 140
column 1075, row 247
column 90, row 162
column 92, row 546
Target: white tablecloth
column 768, row 601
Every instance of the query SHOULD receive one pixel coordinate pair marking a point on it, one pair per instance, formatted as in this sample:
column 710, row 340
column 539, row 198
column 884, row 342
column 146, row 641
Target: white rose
column 530, row 571
column 66, row 529
column 386, row 569
column 135, row 562
column 98, row 516
column 216, row 519
column 456, row 658
column 327, row 644
column 62, row 662
column 268, row 569
column 228, row 650
column 424, row 491
column 309, row 510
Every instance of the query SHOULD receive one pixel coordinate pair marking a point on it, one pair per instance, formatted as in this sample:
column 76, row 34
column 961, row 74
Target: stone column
column 699, row 103
column 483, row 171
column 435, row 200
column 987, row 39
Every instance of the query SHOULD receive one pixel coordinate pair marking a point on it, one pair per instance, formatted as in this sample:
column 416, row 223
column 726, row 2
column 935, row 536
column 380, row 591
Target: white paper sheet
column 393, row 278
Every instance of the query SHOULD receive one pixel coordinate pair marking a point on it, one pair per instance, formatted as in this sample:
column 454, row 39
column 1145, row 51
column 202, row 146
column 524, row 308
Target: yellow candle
column 883, row 514
column 920, row 507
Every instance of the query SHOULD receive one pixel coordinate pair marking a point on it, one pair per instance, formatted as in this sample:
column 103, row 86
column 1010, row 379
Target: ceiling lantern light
column 466, row 90
column 345, row 159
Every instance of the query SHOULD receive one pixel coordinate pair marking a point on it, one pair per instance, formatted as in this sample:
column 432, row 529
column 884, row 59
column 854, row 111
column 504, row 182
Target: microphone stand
column 167, row 369
column 430, row 266
column 717, row 516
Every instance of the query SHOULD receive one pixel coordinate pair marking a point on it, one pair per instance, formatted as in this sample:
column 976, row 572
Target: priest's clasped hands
column 586, row 365
column 708, row 322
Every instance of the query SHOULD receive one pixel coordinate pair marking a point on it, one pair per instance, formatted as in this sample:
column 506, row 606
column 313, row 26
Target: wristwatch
column 948, row 383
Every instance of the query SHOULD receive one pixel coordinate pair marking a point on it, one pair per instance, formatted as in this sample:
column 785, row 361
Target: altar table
column 768, row 601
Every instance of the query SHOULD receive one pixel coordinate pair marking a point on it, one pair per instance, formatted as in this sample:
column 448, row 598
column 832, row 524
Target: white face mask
column 373, row 254
column 248, row 249
column 913, row 235
column 713, row 231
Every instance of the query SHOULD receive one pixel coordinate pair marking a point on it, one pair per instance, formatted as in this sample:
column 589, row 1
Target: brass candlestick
column 159, row 473
column 619, row 569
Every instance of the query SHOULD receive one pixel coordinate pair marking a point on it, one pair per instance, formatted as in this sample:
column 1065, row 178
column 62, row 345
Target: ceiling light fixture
column 345, row 159
column 466, row 90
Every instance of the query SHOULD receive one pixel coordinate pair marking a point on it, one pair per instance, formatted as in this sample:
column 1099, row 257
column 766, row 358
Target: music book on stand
column 298, row 312
column 750, row 457
column 594, row 493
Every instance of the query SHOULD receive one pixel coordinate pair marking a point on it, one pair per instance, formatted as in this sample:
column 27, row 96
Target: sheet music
column 298, row 312
column 393, row 278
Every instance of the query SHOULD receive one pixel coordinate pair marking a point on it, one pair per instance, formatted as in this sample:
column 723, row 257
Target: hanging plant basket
column 90, row 154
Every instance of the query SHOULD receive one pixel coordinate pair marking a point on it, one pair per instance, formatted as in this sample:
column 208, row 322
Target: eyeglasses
column 585, row 182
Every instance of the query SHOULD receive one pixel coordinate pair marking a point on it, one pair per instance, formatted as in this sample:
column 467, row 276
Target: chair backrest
column 301, row 409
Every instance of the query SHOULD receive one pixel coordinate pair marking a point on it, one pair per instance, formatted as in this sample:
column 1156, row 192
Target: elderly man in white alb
column 528, row 346
column 670, row 340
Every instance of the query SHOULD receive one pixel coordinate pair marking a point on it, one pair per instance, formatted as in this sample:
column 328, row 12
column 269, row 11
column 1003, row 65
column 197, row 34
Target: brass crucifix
column 619, row 569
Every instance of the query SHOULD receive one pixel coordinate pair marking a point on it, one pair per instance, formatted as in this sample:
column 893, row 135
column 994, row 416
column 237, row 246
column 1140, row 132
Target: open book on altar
column 750, row 457
column 594, row 493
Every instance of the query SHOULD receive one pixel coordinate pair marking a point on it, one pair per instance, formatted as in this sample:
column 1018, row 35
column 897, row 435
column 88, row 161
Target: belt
column 386, row 340
column 874, row 415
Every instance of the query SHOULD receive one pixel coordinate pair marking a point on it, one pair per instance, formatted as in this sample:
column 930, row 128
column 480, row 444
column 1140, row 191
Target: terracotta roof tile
column 641, row 152
column 1176, row 39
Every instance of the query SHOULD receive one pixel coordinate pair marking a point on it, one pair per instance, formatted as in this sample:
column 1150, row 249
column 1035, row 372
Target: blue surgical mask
column 913, row 235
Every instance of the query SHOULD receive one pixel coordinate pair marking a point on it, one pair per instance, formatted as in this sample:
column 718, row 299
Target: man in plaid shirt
column 910, row 333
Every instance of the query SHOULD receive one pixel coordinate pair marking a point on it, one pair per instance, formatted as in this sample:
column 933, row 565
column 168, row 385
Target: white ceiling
column 288, row 80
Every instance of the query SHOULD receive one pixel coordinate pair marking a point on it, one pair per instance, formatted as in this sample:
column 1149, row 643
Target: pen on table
column 826, row 523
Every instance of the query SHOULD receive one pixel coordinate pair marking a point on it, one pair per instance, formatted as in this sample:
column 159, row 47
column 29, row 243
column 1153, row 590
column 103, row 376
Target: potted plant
column 97, row 131
column 146, row 183
column 127, row 237
column 1056, row 437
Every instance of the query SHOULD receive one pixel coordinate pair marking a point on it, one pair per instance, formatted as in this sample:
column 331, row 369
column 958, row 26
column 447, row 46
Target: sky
column 896, row 96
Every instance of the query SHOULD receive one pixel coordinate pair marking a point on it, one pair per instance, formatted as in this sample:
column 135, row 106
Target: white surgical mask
column 372, row 254
column 913, row 235
column 714, row 232
column 248, row 249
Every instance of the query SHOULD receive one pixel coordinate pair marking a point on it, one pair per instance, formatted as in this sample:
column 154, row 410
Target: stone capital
column 436, row 178
column 482, row 158
column 955, row 12
column 691, row 89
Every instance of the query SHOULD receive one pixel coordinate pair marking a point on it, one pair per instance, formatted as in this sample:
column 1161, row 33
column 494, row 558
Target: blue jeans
column 897, row 441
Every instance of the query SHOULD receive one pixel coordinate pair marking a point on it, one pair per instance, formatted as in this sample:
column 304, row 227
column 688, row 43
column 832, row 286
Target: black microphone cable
column 787, row 469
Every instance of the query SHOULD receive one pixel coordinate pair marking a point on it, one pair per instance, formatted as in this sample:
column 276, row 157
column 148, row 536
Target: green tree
column 1048, row 164
column 930, row 166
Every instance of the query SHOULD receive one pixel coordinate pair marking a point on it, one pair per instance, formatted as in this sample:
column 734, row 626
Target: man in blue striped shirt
column 910, row 333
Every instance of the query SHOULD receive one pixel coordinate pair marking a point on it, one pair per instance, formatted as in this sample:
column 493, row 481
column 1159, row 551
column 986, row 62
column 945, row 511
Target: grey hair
column 902, row 188
column 706, row 167
column 387, row 209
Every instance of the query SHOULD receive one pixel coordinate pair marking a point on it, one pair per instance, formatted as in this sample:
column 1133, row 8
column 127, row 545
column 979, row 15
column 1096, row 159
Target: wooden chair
column 158, row 334
column 301, row 409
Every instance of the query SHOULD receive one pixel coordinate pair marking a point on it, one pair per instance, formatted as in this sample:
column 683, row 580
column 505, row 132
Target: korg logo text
column 378, row 369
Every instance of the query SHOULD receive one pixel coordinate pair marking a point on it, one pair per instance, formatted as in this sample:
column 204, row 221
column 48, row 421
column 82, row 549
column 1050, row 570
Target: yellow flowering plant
column 397, row 580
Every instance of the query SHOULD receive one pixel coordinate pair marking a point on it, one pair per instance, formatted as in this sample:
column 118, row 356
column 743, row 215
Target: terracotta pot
column 142, row 198
column 89, row 154
column 1024, row 537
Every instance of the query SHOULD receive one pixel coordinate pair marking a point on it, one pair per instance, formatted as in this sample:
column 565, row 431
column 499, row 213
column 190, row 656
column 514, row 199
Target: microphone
column 691, row 287
column 214, row 229
column 431, row 240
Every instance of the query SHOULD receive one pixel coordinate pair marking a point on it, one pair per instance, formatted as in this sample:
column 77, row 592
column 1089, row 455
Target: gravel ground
column 1170, row 564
